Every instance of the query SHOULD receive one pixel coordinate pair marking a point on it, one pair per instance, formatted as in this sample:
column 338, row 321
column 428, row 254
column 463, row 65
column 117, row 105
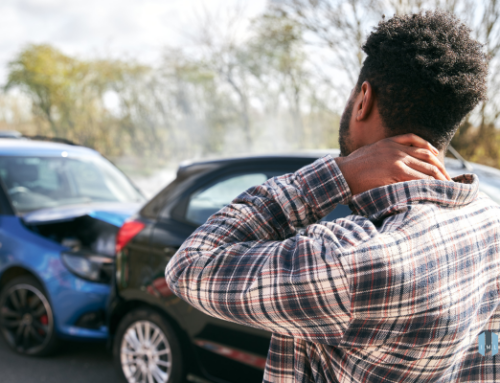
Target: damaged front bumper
column 71, row 251
column 80, row 308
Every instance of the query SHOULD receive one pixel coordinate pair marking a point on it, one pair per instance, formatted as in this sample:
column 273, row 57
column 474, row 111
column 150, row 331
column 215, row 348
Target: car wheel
column 146, row 349
column 26, row 318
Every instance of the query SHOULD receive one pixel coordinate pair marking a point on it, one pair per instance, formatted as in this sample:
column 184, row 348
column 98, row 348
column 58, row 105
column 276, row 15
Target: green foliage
column 67, row 94
column 222, row 98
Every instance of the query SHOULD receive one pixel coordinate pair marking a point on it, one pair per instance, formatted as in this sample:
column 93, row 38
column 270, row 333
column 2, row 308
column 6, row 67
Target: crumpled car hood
column 113, row 213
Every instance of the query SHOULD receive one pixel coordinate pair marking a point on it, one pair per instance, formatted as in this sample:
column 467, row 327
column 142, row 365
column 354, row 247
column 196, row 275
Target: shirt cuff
column 325, row 185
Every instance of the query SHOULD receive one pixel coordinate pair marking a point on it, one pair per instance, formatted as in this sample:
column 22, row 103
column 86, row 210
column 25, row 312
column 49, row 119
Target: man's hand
column 396, row 159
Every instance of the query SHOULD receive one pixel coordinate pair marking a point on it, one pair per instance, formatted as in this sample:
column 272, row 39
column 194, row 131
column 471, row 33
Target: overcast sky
column 109, row 28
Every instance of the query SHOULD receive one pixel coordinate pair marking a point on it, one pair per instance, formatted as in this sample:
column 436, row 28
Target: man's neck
column 441, row 156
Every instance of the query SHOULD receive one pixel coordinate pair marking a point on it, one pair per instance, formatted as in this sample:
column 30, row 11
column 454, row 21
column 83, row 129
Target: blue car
column 61, row 207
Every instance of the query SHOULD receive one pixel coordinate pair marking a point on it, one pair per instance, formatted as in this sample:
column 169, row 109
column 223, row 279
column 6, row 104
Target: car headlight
column 95, row 268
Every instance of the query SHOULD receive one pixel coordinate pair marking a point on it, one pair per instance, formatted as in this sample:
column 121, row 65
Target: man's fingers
column 424, row 169
column 427, row 156
column 396, row 159
column 411, row 139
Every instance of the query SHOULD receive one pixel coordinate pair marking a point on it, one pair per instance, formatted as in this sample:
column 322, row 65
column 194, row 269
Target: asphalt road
column 76, row 363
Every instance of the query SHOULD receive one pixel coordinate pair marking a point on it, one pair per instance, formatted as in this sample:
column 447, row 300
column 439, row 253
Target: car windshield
column 42, row 182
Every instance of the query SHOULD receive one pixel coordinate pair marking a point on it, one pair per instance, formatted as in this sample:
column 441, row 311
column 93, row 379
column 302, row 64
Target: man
column 400, row 290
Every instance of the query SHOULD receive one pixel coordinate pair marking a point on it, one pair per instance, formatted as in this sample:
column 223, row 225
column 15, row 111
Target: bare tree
column 340, row 26
column 218, row 38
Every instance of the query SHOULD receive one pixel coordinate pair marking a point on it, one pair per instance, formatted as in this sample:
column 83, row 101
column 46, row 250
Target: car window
column 89, row 181
column 43, row 182
column 207, row 201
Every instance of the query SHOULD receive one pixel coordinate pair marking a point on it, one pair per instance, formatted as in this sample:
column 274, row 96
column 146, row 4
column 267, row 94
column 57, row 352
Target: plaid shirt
column 397, row 292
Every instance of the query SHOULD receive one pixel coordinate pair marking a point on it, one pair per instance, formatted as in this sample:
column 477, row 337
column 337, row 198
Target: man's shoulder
column 429, row 214
column 406, row 227
column 415, row 231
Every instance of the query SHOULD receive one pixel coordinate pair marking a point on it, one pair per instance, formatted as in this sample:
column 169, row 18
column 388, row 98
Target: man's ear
column 365, row 103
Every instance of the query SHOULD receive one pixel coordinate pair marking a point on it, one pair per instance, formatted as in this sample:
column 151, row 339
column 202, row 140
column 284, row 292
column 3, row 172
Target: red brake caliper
column 43, row 320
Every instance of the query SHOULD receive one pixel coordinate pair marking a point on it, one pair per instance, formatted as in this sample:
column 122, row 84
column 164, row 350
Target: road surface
column 76, row 363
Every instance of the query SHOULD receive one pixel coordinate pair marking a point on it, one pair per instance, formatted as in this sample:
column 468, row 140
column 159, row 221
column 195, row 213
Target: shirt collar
column 378, row 203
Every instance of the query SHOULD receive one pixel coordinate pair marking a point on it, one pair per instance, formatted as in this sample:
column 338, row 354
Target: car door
column 11, row 230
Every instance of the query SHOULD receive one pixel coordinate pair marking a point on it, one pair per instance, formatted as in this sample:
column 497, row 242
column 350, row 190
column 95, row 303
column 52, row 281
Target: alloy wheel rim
column 145, row 354
column 26, row 319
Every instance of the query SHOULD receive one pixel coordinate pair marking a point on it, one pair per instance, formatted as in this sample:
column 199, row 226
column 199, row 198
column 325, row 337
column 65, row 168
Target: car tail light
column 128, row 231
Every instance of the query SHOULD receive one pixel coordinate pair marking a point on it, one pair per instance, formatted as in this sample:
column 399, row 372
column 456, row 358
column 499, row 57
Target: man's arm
column 250, row 264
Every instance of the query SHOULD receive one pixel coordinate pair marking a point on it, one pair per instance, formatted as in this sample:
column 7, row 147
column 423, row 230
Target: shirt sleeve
column 252, row 264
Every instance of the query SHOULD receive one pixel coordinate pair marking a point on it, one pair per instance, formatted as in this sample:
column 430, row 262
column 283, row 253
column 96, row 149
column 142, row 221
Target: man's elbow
column 174, row 270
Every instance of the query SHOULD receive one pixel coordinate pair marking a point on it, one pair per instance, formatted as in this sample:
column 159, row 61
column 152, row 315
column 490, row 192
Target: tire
column 26, row 318
column 146, row 349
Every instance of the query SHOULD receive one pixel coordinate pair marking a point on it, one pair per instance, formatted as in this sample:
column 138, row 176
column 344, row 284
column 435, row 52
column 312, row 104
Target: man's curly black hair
column 426, row 72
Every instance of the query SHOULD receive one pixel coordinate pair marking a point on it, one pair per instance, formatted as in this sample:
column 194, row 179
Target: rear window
column 207, row 201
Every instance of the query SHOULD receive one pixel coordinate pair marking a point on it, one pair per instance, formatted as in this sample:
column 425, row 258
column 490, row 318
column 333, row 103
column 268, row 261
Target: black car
column 157, row 336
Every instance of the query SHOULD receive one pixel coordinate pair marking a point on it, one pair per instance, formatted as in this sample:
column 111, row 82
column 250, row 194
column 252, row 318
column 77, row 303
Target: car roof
column 192, row 166
column 27, row 147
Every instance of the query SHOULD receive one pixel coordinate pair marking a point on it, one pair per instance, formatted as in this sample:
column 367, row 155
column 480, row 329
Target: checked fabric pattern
column 397, row 292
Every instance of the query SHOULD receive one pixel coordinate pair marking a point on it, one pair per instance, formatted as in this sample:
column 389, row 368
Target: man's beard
column 344, row 134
